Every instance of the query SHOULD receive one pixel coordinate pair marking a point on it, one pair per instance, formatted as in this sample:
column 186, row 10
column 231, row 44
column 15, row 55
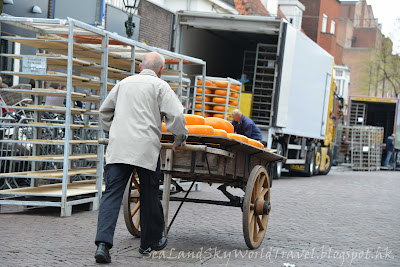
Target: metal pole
column 103, row 94
column 203, row 93
column 67, row 210
column 180, row 91
column 133, row 58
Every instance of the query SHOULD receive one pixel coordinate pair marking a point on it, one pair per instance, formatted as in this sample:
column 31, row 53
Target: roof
column 250, row 7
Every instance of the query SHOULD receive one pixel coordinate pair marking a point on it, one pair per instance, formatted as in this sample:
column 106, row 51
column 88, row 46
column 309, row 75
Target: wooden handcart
column 212, row 159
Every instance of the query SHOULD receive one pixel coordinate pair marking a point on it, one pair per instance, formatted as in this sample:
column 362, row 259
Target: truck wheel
column 328, row 162
column 277, row 167
column 310, row 163
column 317, row 159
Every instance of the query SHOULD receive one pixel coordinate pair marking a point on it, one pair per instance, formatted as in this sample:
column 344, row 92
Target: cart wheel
column 256, row 207
column 131, row 206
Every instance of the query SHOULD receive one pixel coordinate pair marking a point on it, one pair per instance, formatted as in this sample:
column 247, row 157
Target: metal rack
column 89, row 61
column 358, row 114
column 264, row 84
column 204, row 108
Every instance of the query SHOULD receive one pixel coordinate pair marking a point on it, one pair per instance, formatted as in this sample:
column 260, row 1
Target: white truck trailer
column 290, row 79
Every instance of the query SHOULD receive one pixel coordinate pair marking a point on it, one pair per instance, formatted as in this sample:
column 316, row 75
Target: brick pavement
column 317, row 221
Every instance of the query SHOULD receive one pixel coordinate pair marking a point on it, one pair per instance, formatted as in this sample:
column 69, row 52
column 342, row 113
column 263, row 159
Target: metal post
column 65, row 209
column 103, row 94
column 180, row 91
column 228, row 91
column 169, row 157
column 133, row 58
column 203, row 93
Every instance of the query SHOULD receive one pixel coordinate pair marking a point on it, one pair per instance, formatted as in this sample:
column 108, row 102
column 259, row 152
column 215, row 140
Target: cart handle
column 200, row 148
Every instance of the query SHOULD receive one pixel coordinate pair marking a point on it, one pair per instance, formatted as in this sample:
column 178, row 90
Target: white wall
column 197, row 5
column 293, row 10
column 271, row 6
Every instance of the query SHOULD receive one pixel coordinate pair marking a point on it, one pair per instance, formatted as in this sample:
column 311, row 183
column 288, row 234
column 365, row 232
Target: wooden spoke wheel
column 131, row 206
column 256, row 207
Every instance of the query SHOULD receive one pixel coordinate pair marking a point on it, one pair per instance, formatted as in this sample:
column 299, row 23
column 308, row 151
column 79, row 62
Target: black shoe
column 102, row 254
column 161, row 244
column 144, row 251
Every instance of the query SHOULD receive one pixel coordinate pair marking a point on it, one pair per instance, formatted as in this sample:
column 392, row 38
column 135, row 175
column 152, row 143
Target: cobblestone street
column 342, row 219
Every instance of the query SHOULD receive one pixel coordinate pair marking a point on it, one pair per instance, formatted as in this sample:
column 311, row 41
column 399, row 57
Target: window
column 324, row 23
column 339, row 73
column 333, row 26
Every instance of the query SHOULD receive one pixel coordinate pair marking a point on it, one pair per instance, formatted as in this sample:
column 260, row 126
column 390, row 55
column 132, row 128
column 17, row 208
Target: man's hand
column 175, row 147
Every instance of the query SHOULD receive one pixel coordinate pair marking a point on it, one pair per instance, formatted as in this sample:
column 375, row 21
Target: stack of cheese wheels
column 255, row 143
column 221, row 127
column 196, row 125
column 239, row 137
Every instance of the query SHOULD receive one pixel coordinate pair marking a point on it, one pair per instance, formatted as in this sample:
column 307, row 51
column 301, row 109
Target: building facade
column 361, row 36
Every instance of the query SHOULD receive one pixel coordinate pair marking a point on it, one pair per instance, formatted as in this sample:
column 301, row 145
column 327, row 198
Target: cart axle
column 262, row 207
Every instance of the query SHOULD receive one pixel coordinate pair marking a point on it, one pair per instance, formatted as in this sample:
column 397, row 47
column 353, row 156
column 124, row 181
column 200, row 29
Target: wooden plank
column 53, row 173
column 73, row 189
column 62, row 78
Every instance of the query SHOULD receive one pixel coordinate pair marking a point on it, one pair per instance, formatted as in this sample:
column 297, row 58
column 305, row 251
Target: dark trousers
column 151, row 211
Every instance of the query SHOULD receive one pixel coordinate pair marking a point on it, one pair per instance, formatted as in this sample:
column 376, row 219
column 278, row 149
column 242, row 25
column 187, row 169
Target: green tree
column 381, row 75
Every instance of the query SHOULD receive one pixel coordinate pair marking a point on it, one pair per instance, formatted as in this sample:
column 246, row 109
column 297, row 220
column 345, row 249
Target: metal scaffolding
column 54, row 148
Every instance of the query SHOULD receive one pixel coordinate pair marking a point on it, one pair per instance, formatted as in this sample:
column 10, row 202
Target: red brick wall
column 328, row 42
column 356, row 59
column 311, row 24
column 155, row 25
column 365, row 37
column 339, row 55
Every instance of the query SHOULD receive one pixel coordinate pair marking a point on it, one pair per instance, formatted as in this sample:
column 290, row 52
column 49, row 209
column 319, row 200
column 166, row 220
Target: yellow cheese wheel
column 164, row 128
column 200, row 129
column 206, row 99
column 194, row 119
column 238, row 137
column 221, row 116
column 207, row 91
column 221, row 124
column 222, row 84
column 199, row 106
column 220, row 92
column 220, row 100
column 255, row 143
column 233, row 103
column 219, row 132
column 208, row 83
column 235, row 87
column 219, row 108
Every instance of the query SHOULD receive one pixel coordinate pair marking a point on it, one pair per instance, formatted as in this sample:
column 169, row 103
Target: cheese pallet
column 220, row 97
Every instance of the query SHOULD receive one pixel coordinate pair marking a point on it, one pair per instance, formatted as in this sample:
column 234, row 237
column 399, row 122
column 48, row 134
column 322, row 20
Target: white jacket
column 132, row 114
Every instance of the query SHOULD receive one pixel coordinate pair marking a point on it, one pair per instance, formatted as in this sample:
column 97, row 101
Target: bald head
column 237, row 115
column 153, row 61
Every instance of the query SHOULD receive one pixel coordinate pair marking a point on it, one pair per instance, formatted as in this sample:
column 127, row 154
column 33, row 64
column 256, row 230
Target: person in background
column 389, row 149
column 55, row 101
column 245, row 126
column 78, row 103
